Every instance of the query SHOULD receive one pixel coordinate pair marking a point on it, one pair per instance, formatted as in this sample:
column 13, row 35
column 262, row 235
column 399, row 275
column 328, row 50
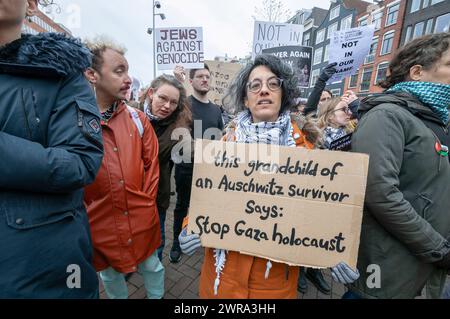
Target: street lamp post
column 156, row 4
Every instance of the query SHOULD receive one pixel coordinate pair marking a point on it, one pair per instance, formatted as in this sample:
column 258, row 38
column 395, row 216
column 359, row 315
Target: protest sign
column 179, row 46
column 289, row 205
column 270, row 34
column 342, row 144
column 349, row 48
column 222, row 74
column 298, row 57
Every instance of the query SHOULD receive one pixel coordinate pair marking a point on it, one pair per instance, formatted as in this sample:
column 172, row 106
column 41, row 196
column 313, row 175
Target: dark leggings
column 183, row 182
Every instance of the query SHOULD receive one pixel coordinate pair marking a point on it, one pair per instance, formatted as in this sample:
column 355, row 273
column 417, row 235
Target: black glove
column 328, row 72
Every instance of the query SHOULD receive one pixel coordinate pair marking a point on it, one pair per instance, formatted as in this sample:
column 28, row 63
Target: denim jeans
column 351, row 295
column 151, row 270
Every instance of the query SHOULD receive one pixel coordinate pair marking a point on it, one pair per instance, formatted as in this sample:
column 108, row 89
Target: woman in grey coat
column 406, row 223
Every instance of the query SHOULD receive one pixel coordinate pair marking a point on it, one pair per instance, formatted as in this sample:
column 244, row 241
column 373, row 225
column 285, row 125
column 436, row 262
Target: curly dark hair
column 237, row 92
column 424, row 51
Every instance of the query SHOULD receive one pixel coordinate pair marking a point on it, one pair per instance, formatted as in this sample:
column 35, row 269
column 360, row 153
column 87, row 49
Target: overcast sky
column 227, row 24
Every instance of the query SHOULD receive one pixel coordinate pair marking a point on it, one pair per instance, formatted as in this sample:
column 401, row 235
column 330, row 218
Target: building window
column 425, row 3
column 429, row 26
column 346, row 23
column 442, row 23
column 353, row 80
column 418, row 30
column 372, row 52
column 408, row 34
column 320, row 36
column 331, row 29
column 363, row 22
column 392, row 15
column 388, row 41
column 415, row 6
column 377, row 17
column 314, row 76
column 334, row 13
column 326, row 53
column 435, row 1
column 336, row 92
column 365, row 80
column 318, row 56
column 381, row 72
column 307, row 39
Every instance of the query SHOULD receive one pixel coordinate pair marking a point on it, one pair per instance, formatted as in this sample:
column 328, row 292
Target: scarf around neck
column 278, row 132
column 434, row 95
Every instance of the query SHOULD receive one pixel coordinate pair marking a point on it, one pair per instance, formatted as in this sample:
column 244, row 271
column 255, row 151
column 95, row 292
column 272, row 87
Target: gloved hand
column 328, row 72
column 344, row 274
column 188, row 243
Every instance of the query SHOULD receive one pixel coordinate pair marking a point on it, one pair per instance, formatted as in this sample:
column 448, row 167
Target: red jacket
column 121, row 203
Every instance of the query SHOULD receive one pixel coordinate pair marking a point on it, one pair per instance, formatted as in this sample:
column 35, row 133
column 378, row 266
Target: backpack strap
column 137, row 121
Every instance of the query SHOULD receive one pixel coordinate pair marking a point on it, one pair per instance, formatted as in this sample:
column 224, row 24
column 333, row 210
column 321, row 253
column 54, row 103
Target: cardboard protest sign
column 222, row 74
column 289, row 205
column 349, row 48
column 182, row 46
column 299, row 58
column 271, row 34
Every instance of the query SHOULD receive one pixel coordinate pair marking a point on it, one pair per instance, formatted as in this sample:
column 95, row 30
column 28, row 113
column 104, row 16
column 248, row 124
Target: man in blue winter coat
column 50, row 148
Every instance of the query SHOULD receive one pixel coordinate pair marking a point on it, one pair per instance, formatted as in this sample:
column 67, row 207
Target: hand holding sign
column 180, row 73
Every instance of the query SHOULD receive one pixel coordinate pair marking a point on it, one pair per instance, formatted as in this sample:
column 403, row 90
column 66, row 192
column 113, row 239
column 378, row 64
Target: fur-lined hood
column 66, row 56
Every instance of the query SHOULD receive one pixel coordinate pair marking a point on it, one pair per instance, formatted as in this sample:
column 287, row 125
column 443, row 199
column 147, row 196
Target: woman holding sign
column 264, row 90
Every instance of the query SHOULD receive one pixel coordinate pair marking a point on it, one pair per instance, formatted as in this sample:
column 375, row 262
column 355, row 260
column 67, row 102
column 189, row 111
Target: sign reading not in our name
column 289, row 205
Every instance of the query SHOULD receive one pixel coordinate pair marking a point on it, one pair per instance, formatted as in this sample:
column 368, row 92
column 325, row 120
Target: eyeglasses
column 165, row 100
column 325, row 99
column 273, row 84
column 344, row 109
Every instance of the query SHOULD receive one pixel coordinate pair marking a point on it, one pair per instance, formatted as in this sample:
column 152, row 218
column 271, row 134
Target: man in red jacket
column 121, row 203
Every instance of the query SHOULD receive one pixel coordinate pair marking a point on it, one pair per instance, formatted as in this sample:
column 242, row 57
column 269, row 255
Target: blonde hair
column 326, row 112
column 98, row 46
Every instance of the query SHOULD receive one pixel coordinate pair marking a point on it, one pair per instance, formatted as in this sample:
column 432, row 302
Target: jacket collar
column 46, row 54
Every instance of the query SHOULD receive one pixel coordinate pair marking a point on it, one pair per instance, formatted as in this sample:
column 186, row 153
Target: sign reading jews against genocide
column 298, row 57
column 222, row 74
column 289, row 205
column 348, row 49
column 179, row 46
column 267, row 35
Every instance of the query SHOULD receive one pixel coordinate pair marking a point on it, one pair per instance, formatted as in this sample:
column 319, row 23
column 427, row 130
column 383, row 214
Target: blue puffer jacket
column 50, row 148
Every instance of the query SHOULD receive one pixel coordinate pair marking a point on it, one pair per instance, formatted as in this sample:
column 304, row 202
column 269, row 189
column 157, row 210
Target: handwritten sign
column 179, row 46
column 289, row 205
column 349, row 48
column 269, row 34
column 342, row 144
column 222, row 74
column 299, row 58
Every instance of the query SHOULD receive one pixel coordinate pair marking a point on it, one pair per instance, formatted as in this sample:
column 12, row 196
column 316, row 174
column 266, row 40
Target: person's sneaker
column 175, row 255
column 316, row 277
column 302, row 282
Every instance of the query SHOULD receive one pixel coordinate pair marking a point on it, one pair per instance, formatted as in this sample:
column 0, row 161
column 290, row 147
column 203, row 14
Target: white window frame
column 382, row 43
column 314, row 73
column 418, row 6
column 326, row 53
column 387, row 13
column 436, row 23
column 429, row 26
column 333, row 10
column 315, row 54
column 329, row 28
column 350, row 80
column 378, row 69
column 408, row 36
column 381, row 19
column 415, row 27
column 317, row 35
column 349, row 17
